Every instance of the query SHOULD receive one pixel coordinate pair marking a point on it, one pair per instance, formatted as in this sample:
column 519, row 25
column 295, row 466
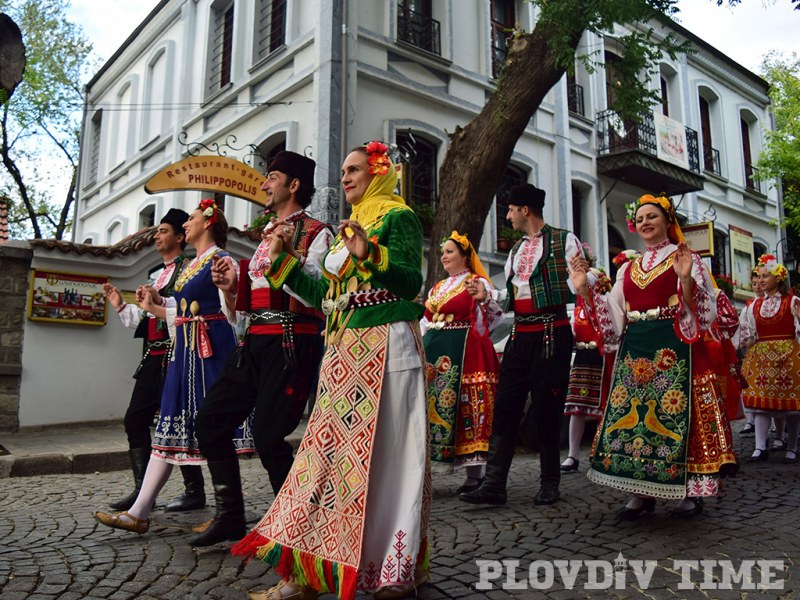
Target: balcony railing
column 751, row 178
column 498, row 61
column 616, row 134
column 575, row 99
column 711, row 161
column 418, row 29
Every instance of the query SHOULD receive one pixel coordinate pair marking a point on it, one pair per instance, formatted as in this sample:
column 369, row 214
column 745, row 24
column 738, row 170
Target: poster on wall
column 671, row 140
column 700, row 238
column 60, row 297
column 742, row 253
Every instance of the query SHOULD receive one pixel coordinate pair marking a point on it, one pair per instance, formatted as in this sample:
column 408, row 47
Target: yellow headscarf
column 474, row 263
column 674, row 232
column 378, row 198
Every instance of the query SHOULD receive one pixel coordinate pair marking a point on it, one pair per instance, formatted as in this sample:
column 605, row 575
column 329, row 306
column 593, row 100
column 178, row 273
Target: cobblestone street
column 51, row 547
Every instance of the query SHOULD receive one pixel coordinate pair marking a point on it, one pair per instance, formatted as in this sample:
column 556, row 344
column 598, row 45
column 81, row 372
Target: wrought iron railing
column 711, row 161
column 751, row 179
column 418, row 29
column 616, row 134
column 575, row 99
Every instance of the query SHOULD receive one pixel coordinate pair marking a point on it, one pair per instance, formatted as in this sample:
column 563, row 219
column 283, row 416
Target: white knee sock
column 762, row 423
column 155, row 478
column 577, row 423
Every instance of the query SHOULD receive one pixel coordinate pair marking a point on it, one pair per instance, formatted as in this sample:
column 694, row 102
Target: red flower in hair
column 378, row 160
column 209, row 208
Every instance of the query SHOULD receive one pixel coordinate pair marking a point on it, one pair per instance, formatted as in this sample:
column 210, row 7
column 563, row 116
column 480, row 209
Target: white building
column 319, row 77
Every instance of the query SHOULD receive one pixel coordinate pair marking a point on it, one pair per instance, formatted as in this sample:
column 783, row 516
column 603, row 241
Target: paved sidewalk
column 77, row 449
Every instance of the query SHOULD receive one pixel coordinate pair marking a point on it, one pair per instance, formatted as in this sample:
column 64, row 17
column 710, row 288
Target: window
column 512, row 176
column 750, row 172
column 219, row 200
column 221, row 48
column 664, row 97
column 114, row 233
column 719, row 263
column 574, row 96
column 279, row 147
column 147, row 216
column 122, row 131
column 416, row 25
column 421, row 177
column 94, row 147
column 503, row 17
column 758, row 250
column 710, row 154
column 155, row 95
column 270, row 27
column 613, row 81
column 577, row 211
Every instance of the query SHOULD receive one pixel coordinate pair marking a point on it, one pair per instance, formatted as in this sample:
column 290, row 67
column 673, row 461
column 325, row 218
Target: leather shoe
column 759, row 456
column 572, row 467
column 629, row 514
column 748, row 429
column 274, row 593
column 548, row 494
column 690, row 512
column 470, row 487
column 485, row 495
column 790, row 458
column 129, row 523
column 186, row 502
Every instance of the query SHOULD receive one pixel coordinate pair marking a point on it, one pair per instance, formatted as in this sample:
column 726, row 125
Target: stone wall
column 15, row 262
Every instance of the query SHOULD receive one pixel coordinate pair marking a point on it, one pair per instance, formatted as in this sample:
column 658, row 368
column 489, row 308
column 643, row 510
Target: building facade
column 319, row 77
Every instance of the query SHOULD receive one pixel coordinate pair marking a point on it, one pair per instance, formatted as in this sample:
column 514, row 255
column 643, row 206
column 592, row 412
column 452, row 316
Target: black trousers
column 267, row 386
column 145, row 401
column 524, row 370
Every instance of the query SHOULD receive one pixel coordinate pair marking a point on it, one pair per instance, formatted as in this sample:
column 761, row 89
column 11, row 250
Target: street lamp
column 789, row 258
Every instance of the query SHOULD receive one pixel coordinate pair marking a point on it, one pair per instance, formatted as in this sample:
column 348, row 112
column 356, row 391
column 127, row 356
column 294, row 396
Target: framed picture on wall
column 700, row 238
column 60, row 297
column 742, row 253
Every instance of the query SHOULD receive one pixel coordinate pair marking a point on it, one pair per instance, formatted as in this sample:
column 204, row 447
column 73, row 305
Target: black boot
column 139, row 459
column 493, row 488
column 195, row 494
column 228, row 523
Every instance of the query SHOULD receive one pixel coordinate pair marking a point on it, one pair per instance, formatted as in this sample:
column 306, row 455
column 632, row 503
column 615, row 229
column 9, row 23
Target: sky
column 745, row 33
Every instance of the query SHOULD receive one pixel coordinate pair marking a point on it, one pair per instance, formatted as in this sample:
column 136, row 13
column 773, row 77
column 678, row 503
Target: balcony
column 629, row 151
column 751, row 179
column 575, row 99
column 418, row 29
column 711, row 161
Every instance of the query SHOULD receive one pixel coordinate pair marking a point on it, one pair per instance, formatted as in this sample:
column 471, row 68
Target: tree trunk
column 63, row 220
column 16, row 175
column 479, row 152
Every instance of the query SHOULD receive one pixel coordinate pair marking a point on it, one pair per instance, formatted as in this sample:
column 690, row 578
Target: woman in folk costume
column 723, row 353
column 771, row 331
column 663, row 434
column 462, row 366
column 755, row 285
column 353, row 512
column 202, row 340
column 588, row 387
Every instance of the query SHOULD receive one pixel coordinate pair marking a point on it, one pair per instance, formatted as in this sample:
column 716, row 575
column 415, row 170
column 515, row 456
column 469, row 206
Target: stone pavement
column 51, row 547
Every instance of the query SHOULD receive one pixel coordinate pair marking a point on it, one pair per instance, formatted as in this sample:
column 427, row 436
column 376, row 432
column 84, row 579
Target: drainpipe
column 77, row 197
column 343, row 115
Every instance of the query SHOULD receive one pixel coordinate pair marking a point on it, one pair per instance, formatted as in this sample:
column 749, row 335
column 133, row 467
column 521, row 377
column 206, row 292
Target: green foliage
column 260, row 221
column 40, row 124
column 507, row 233
column 425, row 214
column 780, row 158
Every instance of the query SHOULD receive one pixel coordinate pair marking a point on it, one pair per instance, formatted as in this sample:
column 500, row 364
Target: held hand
column 143, row 298
column 285, row 230
column 356, row 243
column 477, row 290
column 683, row 263
column 112, row 295
column 223, row 276
column 274, row 240
column 578, row 267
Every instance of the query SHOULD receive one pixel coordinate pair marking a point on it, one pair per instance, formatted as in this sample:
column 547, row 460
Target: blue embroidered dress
column 202, row 342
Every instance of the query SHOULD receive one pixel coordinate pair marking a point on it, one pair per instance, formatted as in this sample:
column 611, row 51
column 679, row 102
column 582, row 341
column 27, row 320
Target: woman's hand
column 285, row 231
column 477, row 290
column 223, row 275
column 356, row 243
column 578, row 267
column 683, row 263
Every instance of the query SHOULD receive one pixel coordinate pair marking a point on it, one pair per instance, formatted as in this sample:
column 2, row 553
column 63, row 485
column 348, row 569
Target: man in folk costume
column 537, row 356
column 272, row 371
column 146, row 398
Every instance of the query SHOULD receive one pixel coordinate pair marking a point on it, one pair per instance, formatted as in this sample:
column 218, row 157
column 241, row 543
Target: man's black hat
column 295, row 165
column 175, row 217
column 526, row 195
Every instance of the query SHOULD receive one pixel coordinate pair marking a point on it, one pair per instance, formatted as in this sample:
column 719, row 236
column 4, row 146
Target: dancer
column 146, row 397
column 203, row 340
column 270, row 374
column 664, row 433
column 368, row 431
column 462, row 366
column 749, row 428
column 536, row 359
column 772, row 366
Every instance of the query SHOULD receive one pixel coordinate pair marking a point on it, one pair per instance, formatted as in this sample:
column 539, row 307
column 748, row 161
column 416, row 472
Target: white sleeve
column 130, row 315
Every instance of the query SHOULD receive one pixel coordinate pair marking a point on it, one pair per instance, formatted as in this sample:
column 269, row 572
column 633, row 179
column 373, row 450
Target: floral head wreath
column 473, row 261
column 673, row 229
column 378, row 157
column 771, row 264
column 209, row 208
